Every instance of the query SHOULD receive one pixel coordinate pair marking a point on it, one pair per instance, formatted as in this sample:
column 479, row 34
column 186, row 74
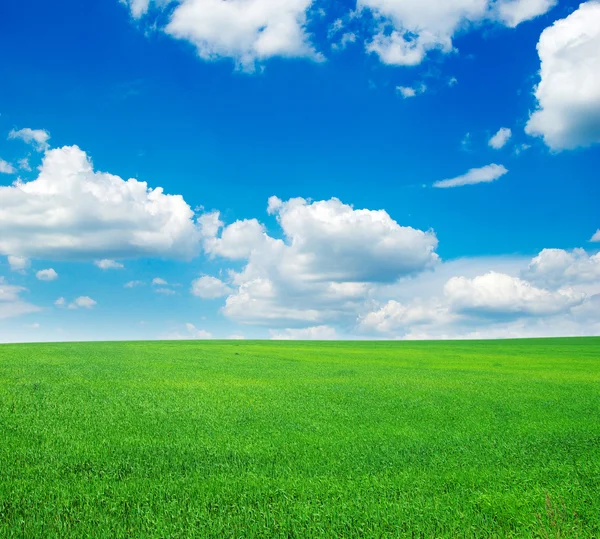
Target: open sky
column 367, row 169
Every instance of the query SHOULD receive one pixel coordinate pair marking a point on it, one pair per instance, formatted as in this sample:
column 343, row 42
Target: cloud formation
column 83, row 302
column 6, row 167
column 36, row 137
column 500, row 294
column 71, row 211
column 486, row 174
column 47, row 275
column 11, row 304
column 314, row 333
column 500, row 138
column 489, row 300
column 207, row 287
column 407, row 30
column 246, row 31
column 554, row 268
column 568, row 94
column 329, row 257
column 399, row 32
column 18, row 263
column 106, row 264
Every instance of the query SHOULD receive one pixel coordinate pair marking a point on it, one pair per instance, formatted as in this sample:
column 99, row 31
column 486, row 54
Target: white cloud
column 406, row 30
column 6, row 167
column 596, row 236
column 60, row 302
column 481, row 298
column 514, row 12
column 106, row 264
column 315, row 333
column 408, row 91
column 522, row 148
column 47, row 275
column 248, row 31
column 486, row 174
column 197, row 333
column 346, row 39
column 84, row 302
column 18, row 263
column 400, row 32
column 500, row 294
column 36, row 137
column 165, row 291
column 157, row 281
column 71, row 211
column 568, row 94
column 208, row 287
column 24, row 164
column 11, row 304
column 133, row 284
column 191, row 332
column 237, row 240
column 330, row 256
column 138, row 7
column 500, row 138
column 394, row 316
column 554, row 268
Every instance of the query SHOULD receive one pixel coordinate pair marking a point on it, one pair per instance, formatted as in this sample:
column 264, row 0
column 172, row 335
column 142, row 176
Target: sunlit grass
column 255, row 439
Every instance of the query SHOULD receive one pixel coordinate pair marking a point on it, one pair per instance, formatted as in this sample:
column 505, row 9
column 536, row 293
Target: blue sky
column 352, row 116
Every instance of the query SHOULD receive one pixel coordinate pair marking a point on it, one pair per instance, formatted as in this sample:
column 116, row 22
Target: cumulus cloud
column 486, row 174
column 514, row 12
column 60, row 302
column 83, row 302
column 106, row 264
column 407, row 30
column 483, row 298
column 71, row 211
column 36, row 137
column 157, row 281
column 47, row 275
column 323, row 267
column 208, row 287
column 409, row 91
column 568, row 94
column 247, row 31
column 555, row 268
column 6, row 167
column 18, row 263
column 596, row 236
column 315, row 333
column 236, row 241
column 500, row 138
column 11, row 304
column 394, row 316
column 500, row 294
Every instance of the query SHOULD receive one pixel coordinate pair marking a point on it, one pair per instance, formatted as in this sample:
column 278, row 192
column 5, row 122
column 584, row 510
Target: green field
column 290, row 439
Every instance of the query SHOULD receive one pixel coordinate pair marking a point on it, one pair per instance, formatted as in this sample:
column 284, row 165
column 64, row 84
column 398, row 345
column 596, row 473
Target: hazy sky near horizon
column 395, row 169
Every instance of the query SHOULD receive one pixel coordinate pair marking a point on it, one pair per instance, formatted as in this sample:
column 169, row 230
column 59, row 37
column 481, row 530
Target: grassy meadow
column 301, row 439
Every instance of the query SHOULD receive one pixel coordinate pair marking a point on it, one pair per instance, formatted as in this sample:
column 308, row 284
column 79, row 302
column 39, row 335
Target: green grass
column 289, row 439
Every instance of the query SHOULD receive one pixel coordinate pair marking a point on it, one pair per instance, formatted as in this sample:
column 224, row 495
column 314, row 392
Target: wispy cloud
column 486, row 174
